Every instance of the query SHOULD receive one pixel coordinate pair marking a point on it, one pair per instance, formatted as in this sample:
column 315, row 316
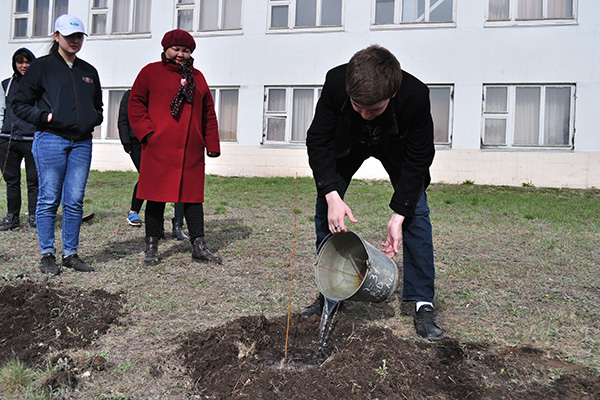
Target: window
column 413, row 11
column 209, row 15
column 120, row 16
column 441, row 112
column 226, row 108
column 286, row 14
column 109, row 128
column 533, row 10
column 288, row 113
column 35, row 18
column 528, row 116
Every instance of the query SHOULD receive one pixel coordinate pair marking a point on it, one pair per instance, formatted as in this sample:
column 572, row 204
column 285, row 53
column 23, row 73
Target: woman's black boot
column 151, row 252
column 200, row 252
column 178, row 232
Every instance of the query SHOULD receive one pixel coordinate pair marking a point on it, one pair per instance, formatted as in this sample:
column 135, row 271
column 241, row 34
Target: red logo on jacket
column 87, row 80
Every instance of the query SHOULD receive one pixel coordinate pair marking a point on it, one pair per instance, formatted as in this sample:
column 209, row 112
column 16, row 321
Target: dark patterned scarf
column 187, row 87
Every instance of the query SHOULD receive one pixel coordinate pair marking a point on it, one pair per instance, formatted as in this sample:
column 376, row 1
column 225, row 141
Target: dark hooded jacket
column 14, row 127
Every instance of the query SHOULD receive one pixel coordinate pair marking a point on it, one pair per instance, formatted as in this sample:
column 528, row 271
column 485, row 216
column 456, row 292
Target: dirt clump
column 39, row 319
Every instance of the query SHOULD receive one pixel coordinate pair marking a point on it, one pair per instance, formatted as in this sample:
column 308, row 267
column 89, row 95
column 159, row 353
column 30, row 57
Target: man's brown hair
column 373, row 75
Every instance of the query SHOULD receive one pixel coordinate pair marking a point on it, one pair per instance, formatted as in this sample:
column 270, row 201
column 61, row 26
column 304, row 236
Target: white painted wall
column 467, row 56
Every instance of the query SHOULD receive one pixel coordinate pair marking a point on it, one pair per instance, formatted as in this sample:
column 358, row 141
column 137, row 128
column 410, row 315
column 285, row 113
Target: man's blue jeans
column 63, row 167
column 417, row 245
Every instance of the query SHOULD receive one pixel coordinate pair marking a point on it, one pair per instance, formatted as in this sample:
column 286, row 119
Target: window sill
column 525, row 23
column 412, row 25
column 309, row 29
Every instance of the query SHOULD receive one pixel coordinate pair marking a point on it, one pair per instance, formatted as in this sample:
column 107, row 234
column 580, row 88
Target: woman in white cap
column 173, row 116
column 61, row 95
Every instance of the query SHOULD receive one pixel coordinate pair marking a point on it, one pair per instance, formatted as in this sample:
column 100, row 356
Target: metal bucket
column 348, row 268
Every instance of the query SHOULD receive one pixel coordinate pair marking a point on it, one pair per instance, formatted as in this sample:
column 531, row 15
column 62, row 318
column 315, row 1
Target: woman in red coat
column 172, row 114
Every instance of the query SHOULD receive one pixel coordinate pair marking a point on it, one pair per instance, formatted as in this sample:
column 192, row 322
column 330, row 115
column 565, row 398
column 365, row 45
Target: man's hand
column 392, row 244
column 336, row 213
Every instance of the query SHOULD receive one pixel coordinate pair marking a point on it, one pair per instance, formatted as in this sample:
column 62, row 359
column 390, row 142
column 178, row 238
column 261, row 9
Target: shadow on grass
column 219, row 234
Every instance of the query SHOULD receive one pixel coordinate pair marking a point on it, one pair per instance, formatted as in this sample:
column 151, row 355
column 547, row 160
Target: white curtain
column 496, row 99
column 331, row 12
column 560, row 8
column 120, row 16
column 60, row 7
column 232, row 14
column 495, row 131
column 302, row 113
column 279, row 17
column 527, row 116
column 141, row 21
column 306, row 13
column 499, row 10
column 557, row 116
column 185, row 20
column 276, row 100
column 209, row 11
column 384, row 11
column 228, row 112
column 114, row 100
column 99, row 23
column 530, row 9
column 440, row 112
column 40, row 23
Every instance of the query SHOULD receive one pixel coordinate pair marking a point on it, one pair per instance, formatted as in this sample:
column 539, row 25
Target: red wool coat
column 172, row 165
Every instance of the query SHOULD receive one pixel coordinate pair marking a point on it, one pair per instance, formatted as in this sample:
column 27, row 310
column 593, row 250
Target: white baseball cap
column 68, row 24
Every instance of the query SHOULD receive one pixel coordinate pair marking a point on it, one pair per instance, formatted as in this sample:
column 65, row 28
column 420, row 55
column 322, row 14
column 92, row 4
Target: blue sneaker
column 134, row 219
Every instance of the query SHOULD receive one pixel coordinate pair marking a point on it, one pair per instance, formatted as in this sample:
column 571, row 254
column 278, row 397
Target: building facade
column 515, row 84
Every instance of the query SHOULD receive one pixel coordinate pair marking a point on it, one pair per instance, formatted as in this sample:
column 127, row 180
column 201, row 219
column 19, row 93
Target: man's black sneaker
column 427, row 325
column 48, row 264
column 316, row 308
column 88, row 216
column 31, row 222
column 73, row 261
column 10, row 222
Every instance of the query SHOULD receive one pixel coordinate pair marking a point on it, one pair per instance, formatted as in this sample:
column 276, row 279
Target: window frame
column 291, row 18
column 194, row 6
column 287, row 114
column 217, row 102
column 509, row 117
column 101, row 131
column 108, row 11
column 514, row 21
column 448, row 143
column 30, row 17
column 399, row 24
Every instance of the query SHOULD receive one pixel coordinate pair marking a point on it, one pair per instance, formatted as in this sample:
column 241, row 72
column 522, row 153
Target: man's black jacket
column 407, row 137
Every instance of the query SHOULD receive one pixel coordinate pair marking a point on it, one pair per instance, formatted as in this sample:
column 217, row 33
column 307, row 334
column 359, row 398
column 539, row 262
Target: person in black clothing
column 16, row 140
column 132, row 146
column 371, row 108
column 61, row 94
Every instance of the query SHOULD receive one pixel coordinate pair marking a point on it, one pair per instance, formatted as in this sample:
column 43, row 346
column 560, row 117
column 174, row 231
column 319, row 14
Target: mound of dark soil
column 38, row 320
column 245, row 359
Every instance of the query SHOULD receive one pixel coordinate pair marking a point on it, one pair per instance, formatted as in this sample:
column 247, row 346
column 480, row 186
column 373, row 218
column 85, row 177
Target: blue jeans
column 417, row 245
column 63, row 167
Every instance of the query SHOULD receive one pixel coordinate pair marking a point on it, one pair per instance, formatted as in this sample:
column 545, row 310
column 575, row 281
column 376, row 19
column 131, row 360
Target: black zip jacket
column 407, row 130
column 72, row 95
